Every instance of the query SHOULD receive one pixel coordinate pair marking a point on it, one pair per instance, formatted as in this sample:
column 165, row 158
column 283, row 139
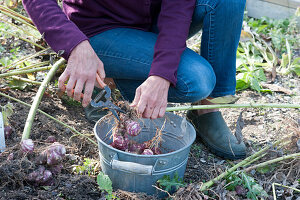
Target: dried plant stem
column 282, row 144
column 277, row 184
column 21, row 60
column 208, row 184
column 22, row 38
column 49, row 116
column 9, row 12
column 295, row 156
column 26, row 80
column 249, row 105
column 40, row 64
column 25, row 71
column 254, row 160
column 21, row 29
column 38, row 97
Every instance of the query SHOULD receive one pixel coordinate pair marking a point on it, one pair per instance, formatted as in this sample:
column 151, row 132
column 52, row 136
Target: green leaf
column 260, row 74
column 296, row 69
column 17, row 84
column 266, row 169
column 166, row 183
column 254, row 84
column 104, row 182
column 7, row 111
column 241, row 85
column 233, row 180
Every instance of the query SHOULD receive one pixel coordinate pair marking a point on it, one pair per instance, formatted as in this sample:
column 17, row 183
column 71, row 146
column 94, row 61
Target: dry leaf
column 277, row 88
column 239, row 127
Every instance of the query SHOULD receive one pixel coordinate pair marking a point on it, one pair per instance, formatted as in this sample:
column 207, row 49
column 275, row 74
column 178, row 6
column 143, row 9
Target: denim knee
column 202, row 87
column 196, row 79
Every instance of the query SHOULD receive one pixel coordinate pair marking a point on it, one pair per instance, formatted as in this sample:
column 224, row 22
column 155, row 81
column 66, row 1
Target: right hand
column 83, row 64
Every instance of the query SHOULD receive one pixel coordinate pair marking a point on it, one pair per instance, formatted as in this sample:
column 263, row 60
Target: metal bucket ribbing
column 137, row 173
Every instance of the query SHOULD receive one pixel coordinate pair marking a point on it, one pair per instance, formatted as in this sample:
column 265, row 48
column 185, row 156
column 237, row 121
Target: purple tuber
column 7, row 131
column 147, row 152
column 120, row 142
column 41, row 176
column 136, row 148
column 55, row 153
column 27, row 146
column 42, row 158
column 56, row 169
column 133, row 128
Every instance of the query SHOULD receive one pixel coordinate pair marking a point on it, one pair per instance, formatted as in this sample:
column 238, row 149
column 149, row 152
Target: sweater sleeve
column 173, row 24
column 59, row 32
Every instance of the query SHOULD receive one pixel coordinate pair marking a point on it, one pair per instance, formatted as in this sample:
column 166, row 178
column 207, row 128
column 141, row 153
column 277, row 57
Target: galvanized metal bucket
column 138, row 173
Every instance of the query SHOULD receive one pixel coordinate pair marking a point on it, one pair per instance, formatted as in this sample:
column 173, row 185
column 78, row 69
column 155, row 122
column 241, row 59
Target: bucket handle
column 132, row 167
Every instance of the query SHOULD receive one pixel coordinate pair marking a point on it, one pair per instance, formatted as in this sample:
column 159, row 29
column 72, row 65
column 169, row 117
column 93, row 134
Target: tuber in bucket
column 138, row 173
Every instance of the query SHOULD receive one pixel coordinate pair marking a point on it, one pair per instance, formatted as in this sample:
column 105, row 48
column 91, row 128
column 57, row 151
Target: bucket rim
column 145, row 156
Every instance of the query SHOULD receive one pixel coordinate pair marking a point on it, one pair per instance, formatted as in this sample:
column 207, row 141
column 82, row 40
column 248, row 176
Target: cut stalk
column 19, row 27
column 26, row 80
column 9, row 12
column 49, row 116
column 249, row 105
column 25, row 71
column 208, row 184
column 21, row 38
column 38, row 97
column 295, row 156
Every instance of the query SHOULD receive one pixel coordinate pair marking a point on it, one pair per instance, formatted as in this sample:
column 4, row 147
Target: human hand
column 151, row 97
column 83, row 64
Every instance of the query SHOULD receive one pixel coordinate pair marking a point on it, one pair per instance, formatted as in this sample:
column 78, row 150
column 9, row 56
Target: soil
column 261, row 127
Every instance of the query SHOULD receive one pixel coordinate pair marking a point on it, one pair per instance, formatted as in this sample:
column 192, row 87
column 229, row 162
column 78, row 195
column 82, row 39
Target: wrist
column 160, row 79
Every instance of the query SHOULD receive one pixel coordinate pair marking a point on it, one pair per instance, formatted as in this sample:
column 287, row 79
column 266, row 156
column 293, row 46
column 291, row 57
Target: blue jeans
column 127, row 54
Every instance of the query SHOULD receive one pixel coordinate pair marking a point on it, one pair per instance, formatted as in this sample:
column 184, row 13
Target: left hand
column 151, row 97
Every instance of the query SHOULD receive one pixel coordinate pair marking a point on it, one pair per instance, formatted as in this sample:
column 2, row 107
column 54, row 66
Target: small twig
column 25, row 71
column 22, row 38
column 274, row 192
column 295, row 155
column 163, row 191
column 49, row 116
column 26, row 80
column 38, row 98
column 249, row 105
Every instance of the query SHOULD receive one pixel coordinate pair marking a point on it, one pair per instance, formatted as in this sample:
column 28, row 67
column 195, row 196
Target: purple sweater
column 80, row 19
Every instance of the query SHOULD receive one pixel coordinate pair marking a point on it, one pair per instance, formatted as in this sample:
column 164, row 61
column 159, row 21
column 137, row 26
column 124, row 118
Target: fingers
column 101, row 70
column 89, row 86
column 61, row 81
column 78, row 89
column 141, row 105
column 70, row 85
column 162, row 110
column 136, row 97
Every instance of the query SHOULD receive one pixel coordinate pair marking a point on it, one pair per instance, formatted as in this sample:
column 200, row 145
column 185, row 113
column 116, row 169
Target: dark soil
column 262, row 127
